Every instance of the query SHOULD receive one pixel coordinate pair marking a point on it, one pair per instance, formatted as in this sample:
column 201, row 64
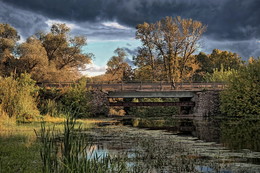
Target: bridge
column 192, row 97
column 141, row 86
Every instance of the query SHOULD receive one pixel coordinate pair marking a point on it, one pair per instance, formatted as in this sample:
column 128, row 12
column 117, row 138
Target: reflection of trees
column 241, row 133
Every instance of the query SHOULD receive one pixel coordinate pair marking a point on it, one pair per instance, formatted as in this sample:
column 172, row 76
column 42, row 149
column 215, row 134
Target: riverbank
column 20, row 148
column 143, row 148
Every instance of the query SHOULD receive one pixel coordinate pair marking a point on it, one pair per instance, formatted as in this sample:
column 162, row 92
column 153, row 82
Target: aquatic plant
column 68, row 151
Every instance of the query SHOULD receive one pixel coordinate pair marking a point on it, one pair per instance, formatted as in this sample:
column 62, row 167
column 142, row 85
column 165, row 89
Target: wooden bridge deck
column 141, row 86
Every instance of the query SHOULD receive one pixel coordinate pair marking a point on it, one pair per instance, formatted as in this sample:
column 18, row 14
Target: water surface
column 161, row 151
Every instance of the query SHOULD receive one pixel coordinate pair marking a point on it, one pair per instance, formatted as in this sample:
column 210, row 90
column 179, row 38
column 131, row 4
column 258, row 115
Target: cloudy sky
column 232, row 25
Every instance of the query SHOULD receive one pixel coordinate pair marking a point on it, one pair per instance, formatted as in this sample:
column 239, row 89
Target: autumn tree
column 117, row 68
column 52, row 56
column 64, row 51
column 172, row 42
column 8, row 39
column 146, row 56
column 33, row 57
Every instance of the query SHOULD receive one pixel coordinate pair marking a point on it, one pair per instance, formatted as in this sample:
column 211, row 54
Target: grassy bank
column 19, row 146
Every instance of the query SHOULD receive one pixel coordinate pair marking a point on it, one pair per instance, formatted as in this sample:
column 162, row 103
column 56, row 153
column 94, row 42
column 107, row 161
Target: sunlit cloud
column 115, row 25
column 94, row 70
column 50, row 22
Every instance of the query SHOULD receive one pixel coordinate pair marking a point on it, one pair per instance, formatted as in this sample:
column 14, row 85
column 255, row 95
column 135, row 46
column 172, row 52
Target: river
column 159, row 151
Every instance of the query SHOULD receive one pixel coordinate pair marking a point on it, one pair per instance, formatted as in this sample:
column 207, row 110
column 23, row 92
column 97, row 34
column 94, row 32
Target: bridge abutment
column 206, row 103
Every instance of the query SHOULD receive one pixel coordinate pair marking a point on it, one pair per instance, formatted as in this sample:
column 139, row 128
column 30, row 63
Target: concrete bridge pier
column 206, row 103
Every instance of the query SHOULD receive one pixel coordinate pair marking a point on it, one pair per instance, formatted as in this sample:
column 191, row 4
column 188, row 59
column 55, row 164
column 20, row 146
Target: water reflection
column 160, row 151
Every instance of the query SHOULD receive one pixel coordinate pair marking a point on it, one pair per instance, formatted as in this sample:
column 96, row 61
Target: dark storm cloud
column 27, row 23
column 226, row 19
column 232, row 24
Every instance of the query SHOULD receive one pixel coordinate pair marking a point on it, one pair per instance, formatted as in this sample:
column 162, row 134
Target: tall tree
column 64, row 51
column 172, row 41
column 8, row 39
column 32, row 55
column 146, row 56
column 117, row 68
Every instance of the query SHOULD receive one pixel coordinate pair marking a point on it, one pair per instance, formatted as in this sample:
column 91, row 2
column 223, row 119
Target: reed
column 69, row 151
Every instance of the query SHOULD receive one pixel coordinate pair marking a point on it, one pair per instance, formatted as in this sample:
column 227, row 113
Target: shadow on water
column 163, row 151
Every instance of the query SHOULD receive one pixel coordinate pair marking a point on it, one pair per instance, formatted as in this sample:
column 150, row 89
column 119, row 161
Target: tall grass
column 69, row 151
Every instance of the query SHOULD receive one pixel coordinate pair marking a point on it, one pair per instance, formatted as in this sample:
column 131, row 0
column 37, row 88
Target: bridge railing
column 154, row 86
column 135, row 86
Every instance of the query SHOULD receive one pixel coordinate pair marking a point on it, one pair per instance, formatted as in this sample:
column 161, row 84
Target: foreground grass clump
column 20, row 149
column 70, row 151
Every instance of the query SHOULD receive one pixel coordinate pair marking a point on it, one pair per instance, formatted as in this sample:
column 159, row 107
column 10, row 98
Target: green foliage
column 219, row 75
column 18, row 97
column 154, row 111
column 77, row 99
column 242, row 95
column 48, row 102
column 217, row 65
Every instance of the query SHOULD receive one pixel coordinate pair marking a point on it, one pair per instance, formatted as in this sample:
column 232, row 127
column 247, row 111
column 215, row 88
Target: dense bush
column 76, row 99
column 242, row 95
column 18, row 97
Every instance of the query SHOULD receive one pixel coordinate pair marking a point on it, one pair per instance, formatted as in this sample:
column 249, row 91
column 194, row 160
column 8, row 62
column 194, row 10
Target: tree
column 172, row 41
column 53, row 56
column 117, row 68
column 8, row 39
column 242, row 95
column 33, row 55
column 218, row 61
column 64, row 51
column 226, row 59
column 146, row 56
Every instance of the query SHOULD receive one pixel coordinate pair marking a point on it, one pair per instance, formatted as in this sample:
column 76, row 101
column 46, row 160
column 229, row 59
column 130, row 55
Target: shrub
column 242, row 95
column 18, row 97
column 76, row 99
